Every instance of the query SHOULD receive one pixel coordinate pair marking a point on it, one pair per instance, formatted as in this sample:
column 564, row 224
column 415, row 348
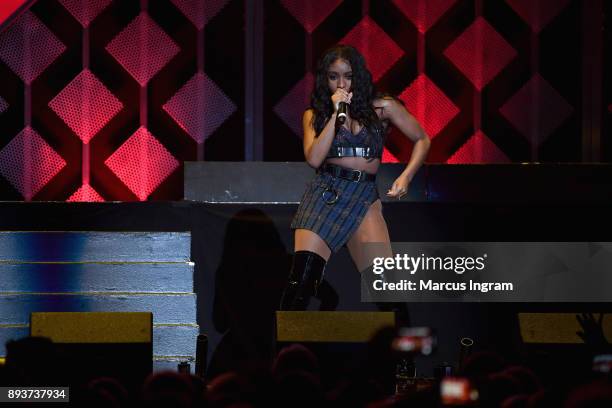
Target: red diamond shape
column 291, row 107
column 28, row 162
column 10, row 8
column 3, row 105
column 310, row 13
column 480, row 53
column 388, row 157
column 536, row 110
column 86, row 194
column 86, row 105
column 28, row 47
column 429, row 105
column 142, row 163
column 537, row 13
column 478, row 149
column 379, row 50
column 85, row 11
column 200, row 12
column 142, row 48
column 199, row 107
column 423, row 13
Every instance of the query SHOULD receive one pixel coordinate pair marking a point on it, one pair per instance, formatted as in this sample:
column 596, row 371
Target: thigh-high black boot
column 304, row 279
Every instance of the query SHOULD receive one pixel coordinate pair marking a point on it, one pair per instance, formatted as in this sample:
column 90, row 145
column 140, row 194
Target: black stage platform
column 241, row 250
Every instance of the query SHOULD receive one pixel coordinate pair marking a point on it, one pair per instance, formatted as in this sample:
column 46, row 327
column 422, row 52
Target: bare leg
column 373, row 229
column 306, row 240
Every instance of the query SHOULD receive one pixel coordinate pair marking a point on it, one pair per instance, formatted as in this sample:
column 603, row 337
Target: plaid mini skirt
column 334, row 207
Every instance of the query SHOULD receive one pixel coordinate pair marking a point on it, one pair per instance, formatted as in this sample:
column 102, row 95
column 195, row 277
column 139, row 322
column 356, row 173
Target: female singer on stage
column 341, row 205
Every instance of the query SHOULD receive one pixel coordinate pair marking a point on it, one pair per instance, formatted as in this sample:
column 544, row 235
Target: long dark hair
column 361, row 86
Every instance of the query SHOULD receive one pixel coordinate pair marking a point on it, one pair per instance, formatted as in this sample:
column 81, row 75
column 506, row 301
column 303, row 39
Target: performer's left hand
column 399, row 187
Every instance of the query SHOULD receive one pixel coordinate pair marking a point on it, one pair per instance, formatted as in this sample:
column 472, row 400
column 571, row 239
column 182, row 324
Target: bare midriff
column 357, row 163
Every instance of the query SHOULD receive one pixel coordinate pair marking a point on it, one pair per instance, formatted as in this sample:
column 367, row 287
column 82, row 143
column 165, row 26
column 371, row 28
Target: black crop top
column 346, row 144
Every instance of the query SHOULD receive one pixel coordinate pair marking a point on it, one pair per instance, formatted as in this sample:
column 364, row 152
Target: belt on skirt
column 347, row 174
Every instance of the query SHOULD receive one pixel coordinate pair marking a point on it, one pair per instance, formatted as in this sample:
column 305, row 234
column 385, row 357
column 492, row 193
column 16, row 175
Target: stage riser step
column 91, row 246
column 11, row 333
column 171, row 363
column 319, row 326
column 557, row 328
column 96, row 277
column 167, row 340
column 175, row 340
column 166, row 308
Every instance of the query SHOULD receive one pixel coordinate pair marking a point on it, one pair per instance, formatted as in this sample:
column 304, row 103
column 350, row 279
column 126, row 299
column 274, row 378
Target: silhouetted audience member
column 550, row 397
column 356, row 392
column 231, row 389
column 248, row 286
column 592, row 333
column 527, row 380
column 169, row 390
column 381, row 360
column 496, row 388
column 4, row 376
column 479, row 365
column 516, row 401
column 199, row 390
column 106, row 392
column 299, row 389
column 295, row 357
column 375, row 380
column 595, row 395
column 427, row 398
column 33, row 361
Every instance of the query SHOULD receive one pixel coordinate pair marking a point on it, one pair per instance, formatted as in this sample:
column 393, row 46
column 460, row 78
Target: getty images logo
column 413, row 264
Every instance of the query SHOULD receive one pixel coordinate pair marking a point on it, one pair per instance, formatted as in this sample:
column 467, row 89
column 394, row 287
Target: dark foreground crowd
column 295, row 378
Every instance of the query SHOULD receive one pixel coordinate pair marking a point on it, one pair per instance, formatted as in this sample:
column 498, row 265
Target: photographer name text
column 430, row 285
column 413, row 264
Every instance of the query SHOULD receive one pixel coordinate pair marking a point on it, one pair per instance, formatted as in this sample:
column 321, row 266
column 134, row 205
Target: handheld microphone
column 342, row 107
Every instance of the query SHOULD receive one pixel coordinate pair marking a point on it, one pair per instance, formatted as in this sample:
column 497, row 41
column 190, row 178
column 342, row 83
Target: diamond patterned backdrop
column 142, row 163
column 199, row 107
column 113, row 114
column 85, row 11
column 480, row 53
column 423, row 14
column 122, row 102
column 379, row 50
column 86, row 105
column 28, row 47
column 142, row 48
column 538, row 13
column 470, row 77
column 28, row 162
column 432, row 108
column 536, row 110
